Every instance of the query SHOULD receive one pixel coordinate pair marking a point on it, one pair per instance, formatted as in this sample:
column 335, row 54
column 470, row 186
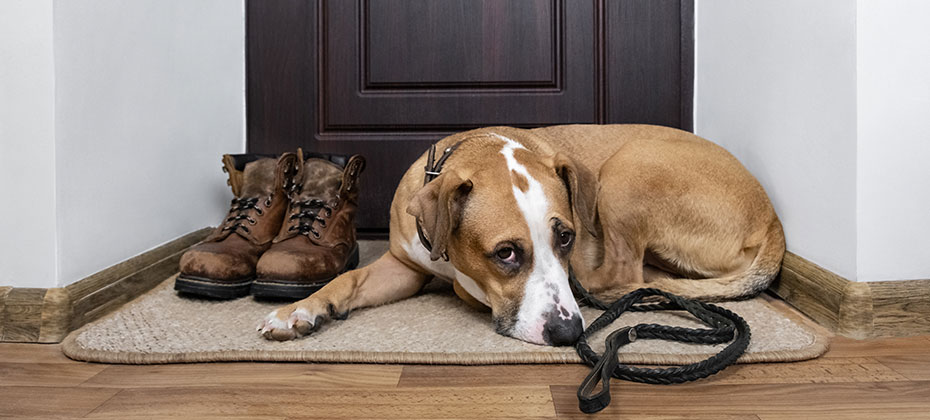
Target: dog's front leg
column 383, row 281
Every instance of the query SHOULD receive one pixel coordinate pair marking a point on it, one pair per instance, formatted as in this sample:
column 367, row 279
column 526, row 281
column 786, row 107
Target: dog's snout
column 562, row 332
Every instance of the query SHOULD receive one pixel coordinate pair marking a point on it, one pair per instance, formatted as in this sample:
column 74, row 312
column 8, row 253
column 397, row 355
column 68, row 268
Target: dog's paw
column 288, row 323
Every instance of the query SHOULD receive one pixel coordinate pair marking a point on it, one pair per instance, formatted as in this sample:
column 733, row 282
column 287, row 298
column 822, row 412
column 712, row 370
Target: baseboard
column 34, row 315
column 854, row 309
column 848, row 308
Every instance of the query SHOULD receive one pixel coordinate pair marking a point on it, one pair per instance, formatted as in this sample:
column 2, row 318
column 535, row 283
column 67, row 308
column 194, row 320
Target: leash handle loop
column 601, row 372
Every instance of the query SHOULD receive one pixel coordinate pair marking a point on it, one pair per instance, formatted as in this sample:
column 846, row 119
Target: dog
column 511, row 211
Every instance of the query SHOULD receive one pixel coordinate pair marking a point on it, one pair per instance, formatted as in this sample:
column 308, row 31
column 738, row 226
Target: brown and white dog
column 626, row 206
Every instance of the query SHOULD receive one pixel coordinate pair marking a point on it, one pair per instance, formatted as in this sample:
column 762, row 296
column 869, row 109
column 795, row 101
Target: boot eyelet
column 268, row 202
column 251, row 221
column 316, row 234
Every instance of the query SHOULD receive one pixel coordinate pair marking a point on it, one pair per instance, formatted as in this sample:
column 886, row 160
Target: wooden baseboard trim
column 854, row 309
column 33, row 315
column 848, row 308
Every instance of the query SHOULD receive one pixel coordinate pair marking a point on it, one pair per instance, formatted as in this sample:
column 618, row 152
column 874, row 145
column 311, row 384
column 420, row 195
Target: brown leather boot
column 317, row 240
column 223, row 266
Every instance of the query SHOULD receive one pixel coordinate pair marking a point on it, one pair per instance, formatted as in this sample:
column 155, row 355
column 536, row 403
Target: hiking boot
column 223, row 265
column 317, row 238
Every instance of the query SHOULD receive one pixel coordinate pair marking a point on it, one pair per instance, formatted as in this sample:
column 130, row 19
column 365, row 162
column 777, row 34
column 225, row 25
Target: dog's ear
column 583, row 189
column 438, row 207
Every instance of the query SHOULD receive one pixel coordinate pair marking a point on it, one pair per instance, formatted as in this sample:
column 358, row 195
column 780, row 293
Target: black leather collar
column 432, row 170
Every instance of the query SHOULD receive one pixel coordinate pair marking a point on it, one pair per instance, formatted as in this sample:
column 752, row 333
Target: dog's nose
column 559, row 332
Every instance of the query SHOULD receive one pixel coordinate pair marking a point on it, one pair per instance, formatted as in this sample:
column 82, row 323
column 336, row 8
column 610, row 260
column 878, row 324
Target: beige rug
column 435, row 327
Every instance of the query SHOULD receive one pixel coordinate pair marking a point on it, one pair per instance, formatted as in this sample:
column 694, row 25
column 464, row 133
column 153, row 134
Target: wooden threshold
column 35, row 315
column 854, row 309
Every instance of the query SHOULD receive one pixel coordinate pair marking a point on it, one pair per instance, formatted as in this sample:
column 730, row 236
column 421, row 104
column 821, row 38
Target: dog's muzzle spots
column 562, row 328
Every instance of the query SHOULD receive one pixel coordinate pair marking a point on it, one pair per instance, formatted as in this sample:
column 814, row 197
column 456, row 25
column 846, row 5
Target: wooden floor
column 887, row 378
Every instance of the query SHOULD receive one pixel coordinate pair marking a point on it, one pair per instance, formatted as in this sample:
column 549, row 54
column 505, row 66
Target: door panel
column 385, row 78
column 454, row 44
column 486, row 89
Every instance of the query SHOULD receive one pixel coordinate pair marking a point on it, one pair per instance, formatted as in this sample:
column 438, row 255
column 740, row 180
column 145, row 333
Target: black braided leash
column 725, row 326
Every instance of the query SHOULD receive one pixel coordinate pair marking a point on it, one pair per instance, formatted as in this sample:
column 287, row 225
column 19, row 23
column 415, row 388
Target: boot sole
column 210, row 288
column 264, row 288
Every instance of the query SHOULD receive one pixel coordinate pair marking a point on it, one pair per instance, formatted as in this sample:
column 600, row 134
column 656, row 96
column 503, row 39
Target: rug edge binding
column 73, row 350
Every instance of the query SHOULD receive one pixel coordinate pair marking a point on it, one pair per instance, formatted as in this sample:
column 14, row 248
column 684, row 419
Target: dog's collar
column 432, row 170
column 433, row 166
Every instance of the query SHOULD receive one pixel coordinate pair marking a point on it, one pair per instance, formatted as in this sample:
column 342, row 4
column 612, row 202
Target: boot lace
column 308, row 214
column 239, row 213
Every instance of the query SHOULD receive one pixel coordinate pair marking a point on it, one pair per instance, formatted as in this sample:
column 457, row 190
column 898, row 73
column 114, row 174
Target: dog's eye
column 507, row 255
column 566, row 237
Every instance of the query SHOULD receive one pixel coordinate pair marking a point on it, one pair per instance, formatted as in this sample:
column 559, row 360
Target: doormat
column 435, row 327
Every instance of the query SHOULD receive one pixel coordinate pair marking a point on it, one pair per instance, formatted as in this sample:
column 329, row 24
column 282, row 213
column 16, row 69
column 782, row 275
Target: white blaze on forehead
column 546, row 287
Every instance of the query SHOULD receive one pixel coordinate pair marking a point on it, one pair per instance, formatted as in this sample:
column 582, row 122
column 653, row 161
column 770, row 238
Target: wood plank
column 503, row 375
column 298, row 376
column 652, row 416
column 175, row 417
column 900, row 346
column 850, row 369
column 837, row 399
column 22, row 314
column 901, row 307
column 407, row 403
column 915, row 367
column 4, row 290
column 32, row 353
column 47, row 374
column 824, row 370
column 45, row 402
column 55, row 320
column 814, row 414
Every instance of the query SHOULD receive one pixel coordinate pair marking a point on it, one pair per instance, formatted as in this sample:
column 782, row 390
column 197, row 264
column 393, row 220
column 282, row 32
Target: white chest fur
column 443, row 269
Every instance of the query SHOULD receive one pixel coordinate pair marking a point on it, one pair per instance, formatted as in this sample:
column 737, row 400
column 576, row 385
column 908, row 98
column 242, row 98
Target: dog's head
column 508, row 228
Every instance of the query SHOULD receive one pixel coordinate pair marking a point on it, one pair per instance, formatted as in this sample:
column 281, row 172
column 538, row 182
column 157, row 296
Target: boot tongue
column 321, row 180
column 258, row 178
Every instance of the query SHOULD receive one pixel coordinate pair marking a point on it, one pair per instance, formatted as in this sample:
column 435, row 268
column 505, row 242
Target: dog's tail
column 755, row 279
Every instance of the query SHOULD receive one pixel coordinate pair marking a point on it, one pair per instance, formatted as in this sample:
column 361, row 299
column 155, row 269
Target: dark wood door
column 385, row 78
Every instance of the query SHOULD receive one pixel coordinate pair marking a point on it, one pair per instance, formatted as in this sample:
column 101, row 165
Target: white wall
column 894, row 141
column 27, row 144
column 776, row 86
column 113, row 119
column 150, row 94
